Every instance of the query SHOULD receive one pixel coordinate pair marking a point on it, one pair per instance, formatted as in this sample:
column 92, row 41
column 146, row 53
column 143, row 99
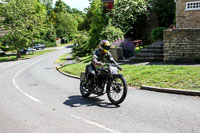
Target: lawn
column 62, row 59
column 13, row 57
column 166, row 76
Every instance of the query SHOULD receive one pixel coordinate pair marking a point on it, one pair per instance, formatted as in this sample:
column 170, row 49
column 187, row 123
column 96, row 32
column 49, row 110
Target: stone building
column 183, row 43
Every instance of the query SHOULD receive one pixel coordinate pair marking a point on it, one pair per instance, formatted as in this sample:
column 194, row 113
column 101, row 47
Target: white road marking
column 19, row 89
column 93, row 123
column 38, row 101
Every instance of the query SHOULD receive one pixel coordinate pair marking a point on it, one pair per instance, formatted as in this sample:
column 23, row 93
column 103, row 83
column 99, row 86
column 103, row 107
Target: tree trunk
column 18, row 54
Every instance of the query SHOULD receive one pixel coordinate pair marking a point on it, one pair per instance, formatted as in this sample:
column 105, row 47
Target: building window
column 195, row 5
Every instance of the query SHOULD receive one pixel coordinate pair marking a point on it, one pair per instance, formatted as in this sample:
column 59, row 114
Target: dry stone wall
column 182, row 45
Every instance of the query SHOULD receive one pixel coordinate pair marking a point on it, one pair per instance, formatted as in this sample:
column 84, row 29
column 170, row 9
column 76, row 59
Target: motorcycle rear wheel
column 83, row 89
column 117, row 90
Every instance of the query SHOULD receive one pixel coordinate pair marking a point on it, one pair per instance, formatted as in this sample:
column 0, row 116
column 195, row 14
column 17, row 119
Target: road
column 36, row 98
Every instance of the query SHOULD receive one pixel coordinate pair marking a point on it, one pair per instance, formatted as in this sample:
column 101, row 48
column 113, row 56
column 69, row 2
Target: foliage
column 64, row 20
column 50, row 44
column 111, row 33
column 79, row 16
column 82, row 43
column 127, row 46
column 25, row 21
column 127, row 12
column 1, row 9
column 166, row 11
column 65, row 24
column 51, row 33
column 157, row 33
column 60, row 6
column 48, row 4
column 99, row 20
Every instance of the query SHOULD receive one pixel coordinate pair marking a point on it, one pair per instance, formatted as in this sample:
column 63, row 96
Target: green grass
column 62, row 59
column 74, row 69
column 166, row 76
column 86, row 59
column 13, row 57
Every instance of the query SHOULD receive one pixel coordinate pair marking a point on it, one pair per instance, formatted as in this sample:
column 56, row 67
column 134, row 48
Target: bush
column 111, row 33
column 81, row 47
column 157, row 33
column 50, row 44
column 127, row 46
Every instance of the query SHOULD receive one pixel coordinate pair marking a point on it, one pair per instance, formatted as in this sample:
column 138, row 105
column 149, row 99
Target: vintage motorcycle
column 107, row 80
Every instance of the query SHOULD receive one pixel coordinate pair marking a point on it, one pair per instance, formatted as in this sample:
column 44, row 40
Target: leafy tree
column 99, row 20
column 24, row 21
column 127, row 12
column 166, row 11
column 48, row 4
column 65, row 24
column 51, row 33
column 60, row 6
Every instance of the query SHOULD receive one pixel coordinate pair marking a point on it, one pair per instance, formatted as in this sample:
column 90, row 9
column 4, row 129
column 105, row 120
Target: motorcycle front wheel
column 83, row 89
column 117, row 90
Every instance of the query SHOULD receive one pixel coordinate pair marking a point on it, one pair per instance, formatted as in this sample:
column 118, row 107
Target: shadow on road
column 78, row 101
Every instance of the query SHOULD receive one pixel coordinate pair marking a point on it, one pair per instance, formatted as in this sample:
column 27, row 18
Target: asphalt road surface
column 36, row 98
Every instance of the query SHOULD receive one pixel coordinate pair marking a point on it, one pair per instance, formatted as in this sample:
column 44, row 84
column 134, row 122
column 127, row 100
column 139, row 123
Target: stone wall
column 182, row 45
column 186, row 19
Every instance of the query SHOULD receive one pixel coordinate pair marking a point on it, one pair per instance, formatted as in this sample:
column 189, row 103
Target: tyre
column 117, row 90
column 84, row 90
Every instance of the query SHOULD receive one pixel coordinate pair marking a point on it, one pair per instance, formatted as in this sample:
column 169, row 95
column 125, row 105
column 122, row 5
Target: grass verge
column 165, row 76
column 13, row 57
column 62, row 59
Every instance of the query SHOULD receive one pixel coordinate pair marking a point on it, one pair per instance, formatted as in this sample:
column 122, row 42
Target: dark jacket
column 98, row 58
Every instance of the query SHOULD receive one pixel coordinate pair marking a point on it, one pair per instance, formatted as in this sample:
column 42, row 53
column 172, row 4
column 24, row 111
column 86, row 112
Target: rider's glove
column 120, row 68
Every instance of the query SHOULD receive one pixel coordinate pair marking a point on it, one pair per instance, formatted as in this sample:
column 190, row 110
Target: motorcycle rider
column 100, row 56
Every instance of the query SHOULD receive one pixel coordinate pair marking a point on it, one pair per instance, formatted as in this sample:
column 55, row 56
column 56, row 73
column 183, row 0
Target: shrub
column 157, row 33
column 81, row 47
column 111, row 33
column 127, row 46
column 50, row 44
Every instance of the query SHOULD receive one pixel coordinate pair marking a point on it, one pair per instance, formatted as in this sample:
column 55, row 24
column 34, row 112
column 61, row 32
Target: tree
column 166, row 11
column 65, row 24
column 48, row 4
column 24, row 22
column 60, row 6
column 127, row 12
column 98, row 20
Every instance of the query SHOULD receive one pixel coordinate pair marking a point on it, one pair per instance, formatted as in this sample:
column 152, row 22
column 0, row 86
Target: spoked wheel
column 117, row 90
column 83, row 89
